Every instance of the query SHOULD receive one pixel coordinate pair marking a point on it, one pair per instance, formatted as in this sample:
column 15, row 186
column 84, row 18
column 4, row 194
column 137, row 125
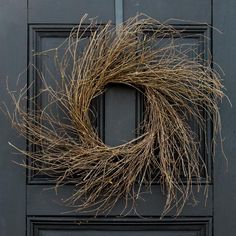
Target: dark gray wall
column 13, row 60
column 224, row 52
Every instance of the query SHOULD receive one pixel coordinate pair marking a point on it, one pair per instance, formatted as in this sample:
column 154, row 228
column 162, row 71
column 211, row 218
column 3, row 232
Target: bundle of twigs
column 175, row 87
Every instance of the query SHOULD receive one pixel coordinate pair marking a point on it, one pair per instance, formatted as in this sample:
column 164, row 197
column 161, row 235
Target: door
column 28, row 205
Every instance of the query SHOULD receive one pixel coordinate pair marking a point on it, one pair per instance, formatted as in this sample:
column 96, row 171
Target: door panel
column 69, row 12
column 119, row 111
column 41, row 200
column 30, row 204
column 162, row 10
column 64, row 227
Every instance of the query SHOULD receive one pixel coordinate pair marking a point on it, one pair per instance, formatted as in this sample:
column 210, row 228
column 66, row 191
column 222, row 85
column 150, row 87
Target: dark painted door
column 26, row 208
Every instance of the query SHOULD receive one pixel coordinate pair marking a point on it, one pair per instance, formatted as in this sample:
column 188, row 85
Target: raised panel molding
column 41, row 38
column 63, row 226
column 41, row 35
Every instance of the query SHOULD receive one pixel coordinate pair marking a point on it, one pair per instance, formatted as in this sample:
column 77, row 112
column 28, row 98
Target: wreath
column 141, row 53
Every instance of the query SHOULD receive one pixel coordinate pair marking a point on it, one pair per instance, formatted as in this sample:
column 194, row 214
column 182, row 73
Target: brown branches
column 176, row 87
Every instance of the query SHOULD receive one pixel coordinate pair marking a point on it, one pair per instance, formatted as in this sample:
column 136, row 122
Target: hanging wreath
column 175, row 88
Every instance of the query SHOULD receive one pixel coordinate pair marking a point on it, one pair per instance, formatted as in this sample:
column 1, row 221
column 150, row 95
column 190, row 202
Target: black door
column 27, row 205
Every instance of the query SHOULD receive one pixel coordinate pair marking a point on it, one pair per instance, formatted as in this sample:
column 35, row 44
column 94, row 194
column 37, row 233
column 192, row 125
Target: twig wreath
column 174, row 86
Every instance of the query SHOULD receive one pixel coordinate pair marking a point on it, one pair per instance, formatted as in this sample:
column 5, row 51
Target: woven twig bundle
column 175, row 87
